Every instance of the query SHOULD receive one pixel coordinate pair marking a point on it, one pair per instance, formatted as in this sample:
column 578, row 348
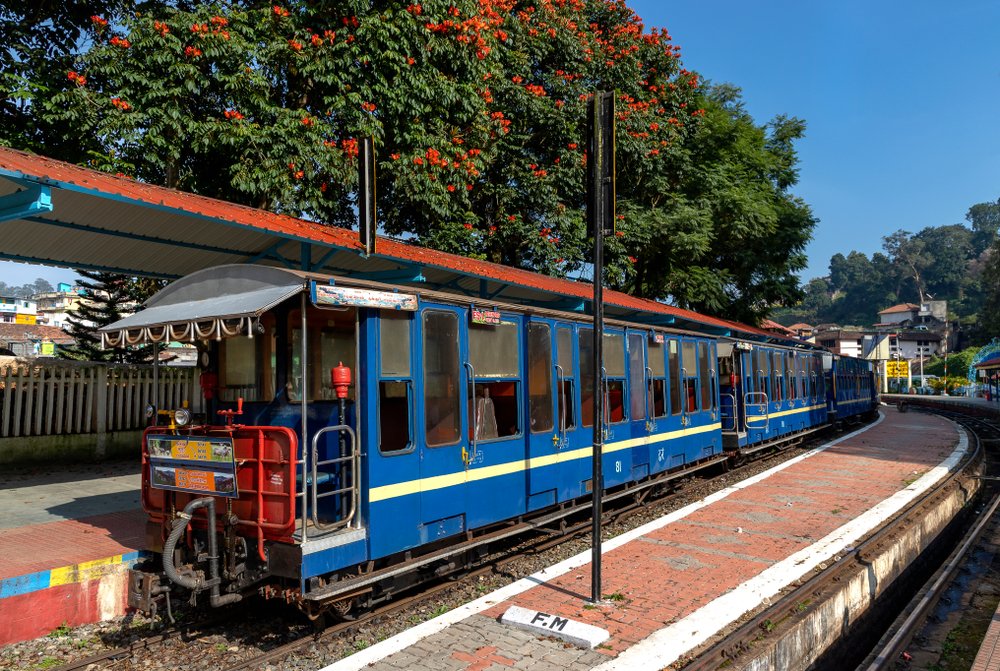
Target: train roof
column 51, row 205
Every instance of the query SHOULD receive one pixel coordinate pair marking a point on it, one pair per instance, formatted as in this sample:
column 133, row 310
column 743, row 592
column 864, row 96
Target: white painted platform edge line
column 667, row 645
column 405, row 639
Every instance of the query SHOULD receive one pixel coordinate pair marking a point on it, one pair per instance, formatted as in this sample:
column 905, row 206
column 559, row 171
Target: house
column 32, row 340
column 802, row 330
column 55, row 306
column 847, row 341
column 14, row 310
column 917, row 331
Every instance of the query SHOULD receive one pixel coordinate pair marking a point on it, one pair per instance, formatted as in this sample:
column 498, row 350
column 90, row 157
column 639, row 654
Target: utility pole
column 601, row 220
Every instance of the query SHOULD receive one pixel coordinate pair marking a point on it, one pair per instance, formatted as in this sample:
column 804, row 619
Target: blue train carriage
column 770, row 391
column 458, row 417
column 853, row 391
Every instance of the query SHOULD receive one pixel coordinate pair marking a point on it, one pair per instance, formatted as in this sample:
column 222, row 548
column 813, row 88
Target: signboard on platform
column 325, row 294
column 25, row 319
column 196, row 464
column 897, row 368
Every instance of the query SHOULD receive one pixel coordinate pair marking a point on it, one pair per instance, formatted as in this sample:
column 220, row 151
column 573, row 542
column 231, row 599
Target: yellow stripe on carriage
column 386, row 492
column 785, row 413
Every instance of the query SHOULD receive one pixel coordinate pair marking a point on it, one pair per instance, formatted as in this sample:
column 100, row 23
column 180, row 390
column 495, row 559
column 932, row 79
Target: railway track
column 770, row 621
column 645, row 503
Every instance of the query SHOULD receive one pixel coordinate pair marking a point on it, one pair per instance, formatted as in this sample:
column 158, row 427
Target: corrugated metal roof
column 102, row 221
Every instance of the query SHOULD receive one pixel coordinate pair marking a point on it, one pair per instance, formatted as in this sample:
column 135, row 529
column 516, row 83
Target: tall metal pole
column 601, row 219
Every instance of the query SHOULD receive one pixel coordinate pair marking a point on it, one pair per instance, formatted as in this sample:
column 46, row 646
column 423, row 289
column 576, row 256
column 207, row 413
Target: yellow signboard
column 897, row 368
column 25, row 319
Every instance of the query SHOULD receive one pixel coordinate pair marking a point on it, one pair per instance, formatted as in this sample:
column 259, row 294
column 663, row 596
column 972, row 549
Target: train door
column 575, row 443
column 547, row 425
column 674, row 424
column 393, row 457
column 497, row 418
column 731, row 413
column 639, row 415
column 756, row 397
column 445, row 453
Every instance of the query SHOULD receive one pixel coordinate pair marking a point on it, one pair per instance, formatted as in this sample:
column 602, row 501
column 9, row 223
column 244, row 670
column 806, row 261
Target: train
column 353, row 438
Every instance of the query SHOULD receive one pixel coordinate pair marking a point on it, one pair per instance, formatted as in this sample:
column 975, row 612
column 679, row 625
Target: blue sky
column 900, row 99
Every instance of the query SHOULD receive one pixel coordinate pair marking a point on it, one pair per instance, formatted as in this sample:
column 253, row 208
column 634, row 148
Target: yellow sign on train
column 897, row 368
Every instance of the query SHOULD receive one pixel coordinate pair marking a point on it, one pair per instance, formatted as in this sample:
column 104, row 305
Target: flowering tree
column 478, row 112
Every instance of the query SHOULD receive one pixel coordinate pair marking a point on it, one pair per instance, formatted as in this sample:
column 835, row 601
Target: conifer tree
column 107, row 298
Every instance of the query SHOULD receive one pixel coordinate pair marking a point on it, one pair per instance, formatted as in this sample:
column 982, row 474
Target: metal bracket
column 34, row 199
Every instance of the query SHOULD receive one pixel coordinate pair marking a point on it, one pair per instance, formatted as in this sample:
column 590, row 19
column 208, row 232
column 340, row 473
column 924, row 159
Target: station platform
column 674, row 584
column 68, row 535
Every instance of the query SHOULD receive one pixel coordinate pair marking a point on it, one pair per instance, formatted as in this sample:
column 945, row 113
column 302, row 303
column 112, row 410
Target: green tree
column 984, row 218
column 478, row 112
column 107, row 298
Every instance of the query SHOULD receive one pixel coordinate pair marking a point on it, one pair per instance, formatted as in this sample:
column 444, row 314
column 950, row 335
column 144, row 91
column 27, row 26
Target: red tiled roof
column 23, row 332
column 49, row 170
column 902, row 307
column 801, row 326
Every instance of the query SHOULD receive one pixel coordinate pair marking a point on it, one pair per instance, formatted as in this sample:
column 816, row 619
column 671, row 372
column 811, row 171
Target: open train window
column 495, row 355
column 540, row 377
column 614, row 367
column 777, row 385
column 567, row 397
column 395, row 387
column 442, row 414
column 658, row 379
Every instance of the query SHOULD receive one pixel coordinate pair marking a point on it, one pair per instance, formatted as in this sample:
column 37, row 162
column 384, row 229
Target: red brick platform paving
column 40, row 547
column 671, row 572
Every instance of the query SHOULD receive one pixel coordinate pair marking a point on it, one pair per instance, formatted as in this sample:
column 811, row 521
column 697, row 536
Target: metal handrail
column 685, row 420
column 352, row 457
column 650, row 421
column 735, row 412
column 747, row 402
column 560, row 373
column 469, row 457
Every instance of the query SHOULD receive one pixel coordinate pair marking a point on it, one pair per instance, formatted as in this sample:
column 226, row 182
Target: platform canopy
column 59, row 214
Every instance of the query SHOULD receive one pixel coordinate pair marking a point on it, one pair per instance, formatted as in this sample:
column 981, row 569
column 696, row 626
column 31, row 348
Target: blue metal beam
column 34, row 199
column 273, row 254
column 566, row 305
column 408, row 273
column 305, row 256
column 132, row 236
column 318, row 266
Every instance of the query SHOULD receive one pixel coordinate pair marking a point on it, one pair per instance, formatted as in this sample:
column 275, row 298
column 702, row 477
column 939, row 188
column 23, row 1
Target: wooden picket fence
column 39, row 398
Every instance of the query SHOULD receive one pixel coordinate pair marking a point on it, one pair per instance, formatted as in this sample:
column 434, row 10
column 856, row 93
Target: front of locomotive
column 222, row 467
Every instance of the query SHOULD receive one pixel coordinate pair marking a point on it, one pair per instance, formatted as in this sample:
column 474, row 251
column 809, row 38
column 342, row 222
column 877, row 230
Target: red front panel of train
column 264, row 459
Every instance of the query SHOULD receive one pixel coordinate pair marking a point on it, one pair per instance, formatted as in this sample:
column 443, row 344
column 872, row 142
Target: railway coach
column 352, row 438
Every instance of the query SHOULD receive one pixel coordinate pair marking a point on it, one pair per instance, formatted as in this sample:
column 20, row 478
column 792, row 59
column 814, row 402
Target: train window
column 585, row 339
column 614, row 368
column 540, row 377
column 675, row 377
column 790, row 375
column 395, row 396
column 495, row 355
column 394, row 347
column 689, row 359
column 658, row 381
column 441, row 378
column 394, row 403
column 636, row 376
column 776, row 377
column 707, row 376
column 564, row 345
column 759, row 372
column 494, row 350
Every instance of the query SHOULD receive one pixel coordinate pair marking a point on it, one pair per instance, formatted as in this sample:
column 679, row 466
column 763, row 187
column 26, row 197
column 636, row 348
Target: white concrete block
column 578, row 633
